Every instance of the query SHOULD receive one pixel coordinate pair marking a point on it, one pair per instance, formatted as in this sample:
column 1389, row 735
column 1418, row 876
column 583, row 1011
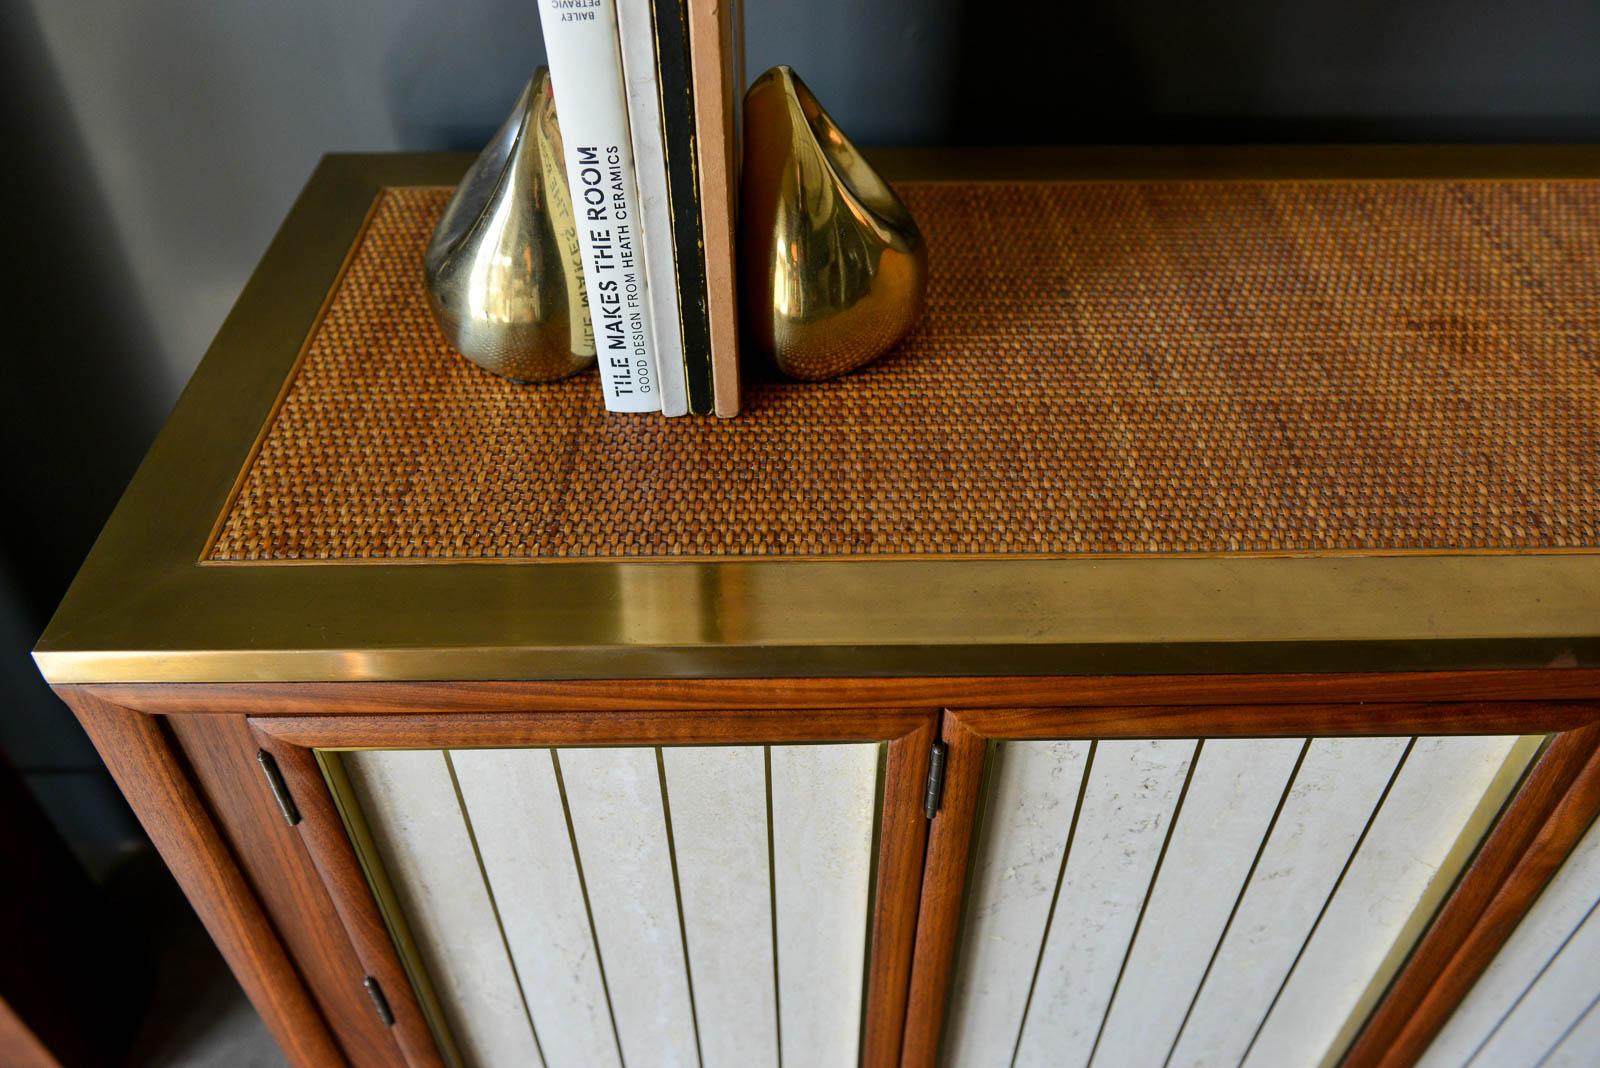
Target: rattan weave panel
column 1103, row 368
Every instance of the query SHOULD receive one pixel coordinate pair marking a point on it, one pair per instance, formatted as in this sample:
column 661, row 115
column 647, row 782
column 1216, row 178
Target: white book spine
column 580, row 40
column 636, row 30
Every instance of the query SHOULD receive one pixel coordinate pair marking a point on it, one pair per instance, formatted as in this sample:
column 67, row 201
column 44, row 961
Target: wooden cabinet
column 1175, row 655
column 1536, row 1001
column 636, row 888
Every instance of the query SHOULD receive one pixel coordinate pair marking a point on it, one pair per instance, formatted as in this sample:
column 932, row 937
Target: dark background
column 152, row 146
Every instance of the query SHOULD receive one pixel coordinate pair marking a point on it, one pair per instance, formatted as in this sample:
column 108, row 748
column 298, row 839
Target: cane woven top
column 1104, row 367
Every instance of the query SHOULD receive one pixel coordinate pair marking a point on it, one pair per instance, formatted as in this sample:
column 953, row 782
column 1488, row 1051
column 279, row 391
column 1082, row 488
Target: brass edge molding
column 521, row 664
column 869, row 558
column 143, row 610
column 288, row 379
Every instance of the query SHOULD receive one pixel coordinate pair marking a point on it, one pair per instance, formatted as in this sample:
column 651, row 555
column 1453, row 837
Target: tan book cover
column 715, row 51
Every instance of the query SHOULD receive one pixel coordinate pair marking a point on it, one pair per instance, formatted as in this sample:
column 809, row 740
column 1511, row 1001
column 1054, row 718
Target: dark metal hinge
column 935, row 793
column 279, row 788
column 379, row 1002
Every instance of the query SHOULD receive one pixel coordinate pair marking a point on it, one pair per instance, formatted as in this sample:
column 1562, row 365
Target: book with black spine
column 636, row 33
column 676, row 84
column 715, row 52
column 585, row 58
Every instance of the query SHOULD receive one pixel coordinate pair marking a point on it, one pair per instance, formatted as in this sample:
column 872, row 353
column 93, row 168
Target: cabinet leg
column 157, row 785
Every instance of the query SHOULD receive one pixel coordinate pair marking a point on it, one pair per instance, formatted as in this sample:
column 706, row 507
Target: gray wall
column 153, row 145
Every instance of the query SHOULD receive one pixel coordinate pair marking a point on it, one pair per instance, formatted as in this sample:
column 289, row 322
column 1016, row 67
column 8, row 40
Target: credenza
column 1184, row 649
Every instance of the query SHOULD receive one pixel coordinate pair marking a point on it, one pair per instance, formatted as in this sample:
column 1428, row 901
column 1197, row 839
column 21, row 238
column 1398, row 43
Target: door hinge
column 379, row 1002
column 935, row 792
column 279, row 788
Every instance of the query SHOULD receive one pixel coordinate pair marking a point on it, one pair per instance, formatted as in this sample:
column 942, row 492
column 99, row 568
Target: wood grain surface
column 323, row 833
column 1550, row 813
column 222, row 753
column 1016, row 691
column 157, row 786
column 950, row 840
column 465, row 730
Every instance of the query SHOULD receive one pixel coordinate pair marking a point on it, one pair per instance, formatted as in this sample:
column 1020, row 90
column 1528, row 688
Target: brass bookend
column 832, row 268
column 503, row 271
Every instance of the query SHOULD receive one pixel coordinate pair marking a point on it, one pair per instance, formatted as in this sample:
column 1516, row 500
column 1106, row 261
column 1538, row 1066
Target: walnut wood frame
column 297, row 924
column 902, row 828
column 1412, row 643
column 1556, row 802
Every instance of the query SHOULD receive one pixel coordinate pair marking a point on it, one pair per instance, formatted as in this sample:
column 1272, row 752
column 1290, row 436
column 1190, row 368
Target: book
column 636, row 33
column 677, row 119
column 716, row 66
column 585, row 59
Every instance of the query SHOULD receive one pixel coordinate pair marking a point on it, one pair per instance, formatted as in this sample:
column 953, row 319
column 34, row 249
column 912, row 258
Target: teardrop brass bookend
column 832, row 268
column 503, row 271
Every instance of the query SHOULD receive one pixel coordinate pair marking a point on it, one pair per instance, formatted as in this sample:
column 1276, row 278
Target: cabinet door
column 685, row 888
column 1538, row 1003
column 1149, row 893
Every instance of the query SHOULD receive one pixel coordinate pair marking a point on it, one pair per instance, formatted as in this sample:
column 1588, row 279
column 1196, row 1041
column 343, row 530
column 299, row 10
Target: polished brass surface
column 503, row 272
column 143, row 609
column 356, row 828
column 832, row 268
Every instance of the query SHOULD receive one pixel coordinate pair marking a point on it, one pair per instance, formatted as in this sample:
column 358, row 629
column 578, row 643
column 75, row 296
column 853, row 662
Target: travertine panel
column 822, row 817
column 410, row 806
column 517, row 817
column 615, row 799
column 1126, row 813
column 1028, row 815
column 718, row 797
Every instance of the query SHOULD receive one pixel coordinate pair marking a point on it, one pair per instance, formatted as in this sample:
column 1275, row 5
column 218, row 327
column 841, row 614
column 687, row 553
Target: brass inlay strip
column 1513, row 768
column 772, row 896
column 1055, row 896
column 1531, row 984
column 1238, row 899
column 1149, row 891
column 494, row 905
column 370, row 860
column 1333, row 892
column 872, row 894
column 588, row 909
column 903, row 557
column 677, row 899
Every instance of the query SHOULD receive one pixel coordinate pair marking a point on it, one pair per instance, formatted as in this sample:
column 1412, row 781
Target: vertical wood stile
column 142, row 761
column 945, row 875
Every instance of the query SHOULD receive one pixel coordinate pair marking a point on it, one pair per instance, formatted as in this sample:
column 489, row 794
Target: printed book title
column 619, row 321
